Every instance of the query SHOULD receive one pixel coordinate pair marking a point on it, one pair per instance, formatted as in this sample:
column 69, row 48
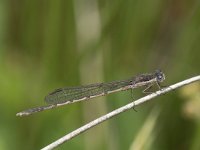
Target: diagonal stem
column 118, row 111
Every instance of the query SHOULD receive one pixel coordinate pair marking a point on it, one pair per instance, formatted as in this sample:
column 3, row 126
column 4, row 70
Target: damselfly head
column 160, row 76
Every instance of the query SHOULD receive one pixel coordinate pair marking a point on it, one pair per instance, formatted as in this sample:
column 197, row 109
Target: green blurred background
column 47, row 44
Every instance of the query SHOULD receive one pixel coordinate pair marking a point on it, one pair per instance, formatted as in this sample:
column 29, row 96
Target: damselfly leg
column 133, row 100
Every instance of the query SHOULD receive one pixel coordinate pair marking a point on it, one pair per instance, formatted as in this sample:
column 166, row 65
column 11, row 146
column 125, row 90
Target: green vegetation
column 45, row 45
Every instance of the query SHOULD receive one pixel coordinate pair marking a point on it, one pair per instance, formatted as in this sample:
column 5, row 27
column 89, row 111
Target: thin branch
column 118, row 111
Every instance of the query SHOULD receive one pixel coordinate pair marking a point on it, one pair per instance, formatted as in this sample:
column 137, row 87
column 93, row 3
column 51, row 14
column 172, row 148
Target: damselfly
column 67, row 95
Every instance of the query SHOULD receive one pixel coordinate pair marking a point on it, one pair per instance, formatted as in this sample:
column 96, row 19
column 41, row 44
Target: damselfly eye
column 160, row 76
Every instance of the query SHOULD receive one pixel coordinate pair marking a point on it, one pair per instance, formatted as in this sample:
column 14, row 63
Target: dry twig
column 118, row 111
